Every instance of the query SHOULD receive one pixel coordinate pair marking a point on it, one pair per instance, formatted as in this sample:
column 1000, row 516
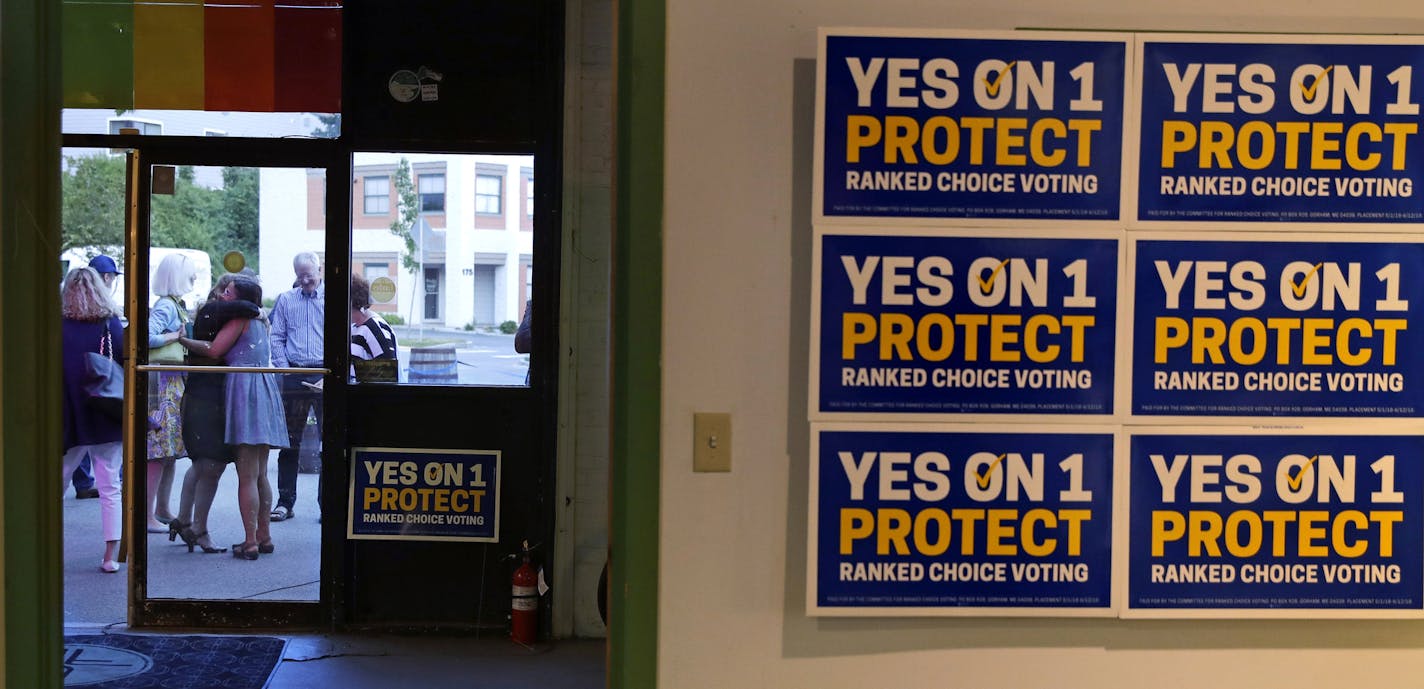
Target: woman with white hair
column 175, row 277
column 91, row 324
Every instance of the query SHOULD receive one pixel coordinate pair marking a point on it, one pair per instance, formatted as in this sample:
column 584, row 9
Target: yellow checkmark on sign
column 1299, row 287
column 1294, row 481
column 1309, row 91
column 986, row 285
column 992, row 86
column 983, row 479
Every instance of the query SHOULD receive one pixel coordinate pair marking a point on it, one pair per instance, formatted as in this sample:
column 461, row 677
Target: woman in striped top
column 371, row 336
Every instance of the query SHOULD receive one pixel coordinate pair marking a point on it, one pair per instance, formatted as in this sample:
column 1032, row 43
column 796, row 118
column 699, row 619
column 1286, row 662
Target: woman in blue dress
column 256, row 422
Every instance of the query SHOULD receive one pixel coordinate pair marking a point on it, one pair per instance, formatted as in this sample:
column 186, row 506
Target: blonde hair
column 171, row 277
column 85, row 298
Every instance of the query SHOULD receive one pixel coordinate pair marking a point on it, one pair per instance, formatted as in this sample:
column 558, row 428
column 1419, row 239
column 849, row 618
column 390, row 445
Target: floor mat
column 143, row 661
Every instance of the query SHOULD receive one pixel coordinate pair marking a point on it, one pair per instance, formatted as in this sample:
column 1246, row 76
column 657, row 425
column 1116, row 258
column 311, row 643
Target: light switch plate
column 711, row 441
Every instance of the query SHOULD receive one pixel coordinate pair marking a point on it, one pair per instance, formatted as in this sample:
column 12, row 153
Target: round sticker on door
column 404, row 86
column 383, row 290
column 234, row 261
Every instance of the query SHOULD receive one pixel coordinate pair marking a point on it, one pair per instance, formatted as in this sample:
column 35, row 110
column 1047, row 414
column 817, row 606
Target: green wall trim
column 29, row 344
column 636, row 414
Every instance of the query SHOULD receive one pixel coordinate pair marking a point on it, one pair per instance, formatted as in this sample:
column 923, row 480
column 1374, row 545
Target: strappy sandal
column 266, row 548
column 175, row 529
column 243, row 551
column 281, row 513
column 193, row 539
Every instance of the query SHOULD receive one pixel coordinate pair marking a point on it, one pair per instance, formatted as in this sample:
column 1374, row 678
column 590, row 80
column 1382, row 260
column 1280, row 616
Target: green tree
column 215, row 220
column 240, row 202
column 92, row 205
column 408, row 211
column 189, row 217
column 330, row 125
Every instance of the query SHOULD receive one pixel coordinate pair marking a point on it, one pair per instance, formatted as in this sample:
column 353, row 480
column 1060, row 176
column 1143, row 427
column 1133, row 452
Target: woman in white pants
column 91, row 324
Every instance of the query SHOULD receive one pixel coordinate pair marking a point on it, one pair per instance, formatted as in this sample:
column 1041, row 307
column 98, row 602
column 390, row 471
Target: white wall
column 464, row 245
column 740, row 99
column 282, row 228
column 585, row 276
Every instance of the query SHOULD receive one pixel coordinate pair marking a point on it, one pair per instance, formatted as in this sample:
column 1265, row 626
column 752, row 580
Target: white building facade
column 474, row 233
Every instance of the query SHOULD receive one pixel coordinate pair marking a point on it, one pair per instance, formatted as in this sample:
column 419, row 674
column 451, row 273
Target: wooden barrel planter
column 434, row 365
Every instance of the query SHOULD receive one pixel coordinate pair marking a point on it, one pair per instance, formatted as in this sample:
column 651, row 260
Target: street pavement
column 291, row 573
column 483, row 358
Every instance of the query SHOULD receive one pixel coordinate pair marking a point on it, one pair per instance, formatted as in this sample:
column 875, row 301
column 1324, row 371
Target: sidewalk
column 291, row 573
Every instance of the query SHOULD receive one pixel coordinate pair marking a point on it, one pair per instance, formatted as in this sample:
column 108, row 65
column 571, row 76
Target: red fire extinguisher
column 524, row 615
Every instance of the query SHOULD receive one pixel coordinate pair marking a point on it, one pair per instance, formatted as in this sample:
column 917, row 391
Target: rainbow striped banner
column 215, row 55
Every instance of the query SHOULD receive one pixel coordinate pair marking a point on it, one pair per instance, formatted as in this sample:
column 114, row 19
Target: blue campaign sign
column 424, row 494
column 1278, row 522
column 908, row 519
column 1261, row 131
column 1255, row 326
column 971, row 127
column 921, row 324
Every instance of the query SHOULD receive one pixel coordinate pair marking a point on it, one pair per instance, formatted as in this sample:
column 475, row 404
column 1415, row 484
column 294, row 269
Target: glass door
column 227, row 266
column 94, row 185
column 450, row 416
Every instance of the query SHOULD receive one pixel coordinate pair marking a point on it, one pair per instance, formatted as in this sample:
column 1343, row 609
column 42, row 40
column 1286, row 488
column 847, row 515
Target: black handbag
column 103, row 380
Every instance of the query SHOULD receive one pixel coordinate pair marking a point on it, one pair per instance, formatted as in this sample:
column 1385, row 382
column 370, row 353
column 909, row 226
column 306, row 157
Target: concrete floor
column 97, row 603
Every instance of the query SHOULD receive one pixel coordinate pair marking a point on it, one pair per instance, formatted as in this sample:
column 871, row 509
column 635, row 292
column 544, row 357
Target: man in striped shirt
column 298, row 320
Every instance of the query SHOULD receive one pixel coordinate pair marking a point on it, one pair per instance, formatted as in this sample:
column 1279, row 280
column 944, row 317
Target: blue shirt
column 298, row 320
column 163, row 318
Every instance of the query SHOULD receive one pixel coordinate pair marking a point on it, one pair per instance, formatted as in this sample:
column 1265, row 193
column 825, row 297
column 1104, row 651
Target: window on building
column 529, row 197
column 432, row 193
column 489, row 192
column 371, row 271
column 145, row 128
column 378, row 195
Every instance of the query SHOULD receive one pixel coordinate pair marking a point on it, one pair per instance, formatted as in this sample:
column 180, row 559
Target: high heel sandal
column 175, row 528
column 266, row 548
column 242, row 551
column 191, row 539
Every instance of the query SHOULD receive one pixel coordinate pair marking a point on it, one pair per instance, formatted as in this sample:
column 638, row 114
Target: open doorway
column 198, row 227
column 93, row 188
